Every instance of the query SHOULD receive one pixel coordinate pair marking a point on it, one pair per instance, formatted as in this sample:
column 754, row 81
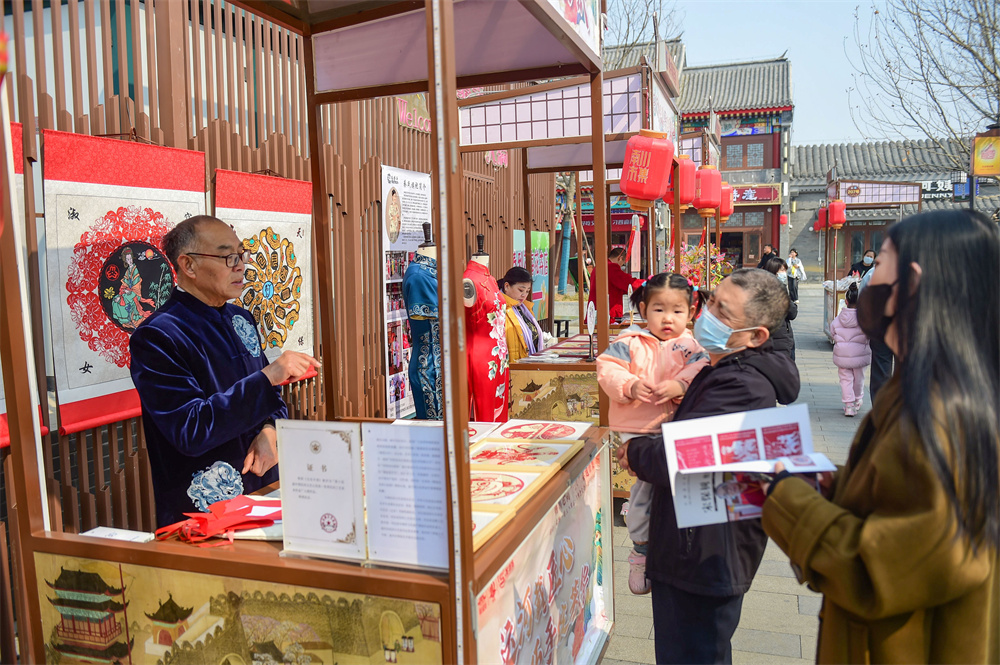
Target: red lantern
column 707, row 190
column 837, row 215
column 820, row 220
column 726, row 209
column 648, row 159
column 783, row 219
column 686, row 170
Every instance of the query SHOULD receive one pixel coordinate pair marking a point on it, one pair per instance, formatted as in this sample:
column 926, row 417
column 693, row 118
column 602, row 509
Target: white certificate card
column 319, row 465
column 406, row 498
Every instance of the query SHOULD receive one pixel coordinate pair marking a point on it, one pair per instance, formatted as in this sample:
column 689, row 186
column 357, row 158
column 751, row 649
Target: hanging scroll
column 108, row 204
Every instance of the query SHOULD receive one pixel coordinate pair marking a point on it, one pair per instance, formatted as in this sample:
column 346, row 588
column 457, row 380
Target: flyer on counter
column 407, row 504
column 319, row 464
column 711, row 461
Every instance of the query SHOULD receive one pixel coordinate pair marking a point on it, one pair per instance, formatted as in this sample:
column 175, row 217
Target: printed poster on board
column 406, row 205
column 551, row 601
column 273, row 218
column 108, row 204
column 540, row 273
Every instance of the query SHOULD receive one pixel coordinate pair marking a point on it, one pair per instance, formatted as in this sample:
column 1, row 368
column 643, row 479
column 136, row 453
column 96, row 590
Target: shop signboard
column 986, row 155
column 520, row 258
column 936, row 189
column 858, row 193
column 664, row 118
column 412, row 112
column 756, row 194
column 406, row 205
column 552, row 601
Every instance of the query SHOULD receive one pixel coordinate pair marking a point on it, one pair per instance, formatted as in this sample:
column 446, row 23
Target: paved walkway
column 779, row 621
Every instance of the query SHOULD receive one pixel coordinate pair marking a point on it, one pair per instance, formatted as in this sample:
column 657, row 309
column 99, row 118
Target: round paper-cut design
column 134, row 282
column 489, row 486
column 273, row 286
column 538, row 431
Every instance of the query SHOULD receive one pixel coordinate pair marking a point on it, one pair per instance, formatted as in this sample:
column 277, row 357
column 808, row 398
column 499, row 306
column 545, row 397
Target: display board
column 17, row 147
column 98, row 611
column 108, row 204
column 540, row 274
column 273, row 218
column 549, row 603
column 406, row 205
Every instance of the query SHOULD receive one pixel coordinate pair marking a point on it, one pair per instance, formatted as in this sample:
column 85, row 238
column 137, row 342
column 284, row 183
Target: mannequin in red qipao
column 486, row 340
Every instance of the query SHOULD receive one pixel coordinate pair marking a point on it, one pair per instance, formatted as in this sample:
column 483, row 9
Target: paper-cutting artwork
column 527, row 429
column 502, row 488
column 498, row 453
column 106, row 269
column 273, row 218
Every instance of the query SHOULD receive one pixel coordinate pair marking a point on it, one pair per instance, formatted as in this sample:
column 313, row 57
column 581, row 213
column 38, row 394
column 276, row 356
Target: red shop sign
column 748, row 194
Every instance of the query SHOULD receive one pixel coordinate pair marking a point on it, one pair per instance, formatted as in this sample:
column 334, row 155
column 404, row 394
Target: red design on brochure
column 738, row 446
column 782, row 440
column 695, row 452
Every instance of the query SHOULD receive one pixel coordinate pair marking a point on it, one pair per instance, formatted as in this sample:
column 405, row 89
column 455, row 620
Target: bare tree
column 927, row 68
column 632, row 24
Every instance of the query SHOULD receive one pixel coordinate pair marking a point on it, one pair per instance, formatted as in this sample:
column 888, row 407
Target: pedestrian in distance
column 796, row 273
column 646, row 372
column 851, row 353
column 866, row 263
column 699, row 575
column 768, row 254
column 903, row 541
column 782, row 336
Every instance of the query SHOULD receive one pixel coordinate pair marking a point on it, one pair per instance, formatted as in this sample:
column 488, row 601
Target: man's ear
column 758, row 336
column 185, row 266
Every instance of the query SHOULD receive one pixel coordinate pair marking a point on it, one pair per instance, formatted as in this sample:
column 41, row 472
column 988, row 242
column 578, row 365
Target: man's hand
column 289, row 365
column 263, row 453
column 622, row 455
column 642, row 391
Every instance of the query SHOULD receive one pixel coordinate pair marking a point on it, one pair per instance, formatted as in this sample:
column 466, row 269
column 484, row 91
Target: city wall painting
column 98, row 611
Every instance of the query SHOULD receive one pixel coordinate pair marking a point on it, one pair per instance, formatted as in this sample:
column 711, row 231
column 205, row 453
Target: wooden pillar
column 20, row 388
column 323, row 232
column 351, row 328
column 171, row 76
column 526, row 210
column 581, row 264
column 651, row 241
column 600, row 284
column 448, row 216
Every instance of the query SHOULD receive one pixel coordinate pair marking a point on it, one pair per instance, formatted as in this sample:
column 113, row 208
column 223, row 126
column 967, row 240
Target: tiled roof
column 737, row 86
column 886, row 160
column 620, row 57
column 984, row 204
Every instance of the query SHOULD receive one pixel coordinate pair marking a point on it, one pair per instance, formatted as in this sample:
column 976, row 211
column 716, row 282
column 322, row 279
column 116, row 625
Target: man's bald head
column 183, row 238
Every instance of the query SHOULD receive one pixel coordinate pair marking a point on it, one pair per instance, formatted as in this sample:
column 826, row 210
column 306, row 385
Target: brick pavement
column 779, row 621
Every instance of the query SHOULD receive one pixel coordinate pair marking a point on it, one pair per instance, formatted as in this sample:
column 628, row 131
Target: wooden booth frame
column 454, row 592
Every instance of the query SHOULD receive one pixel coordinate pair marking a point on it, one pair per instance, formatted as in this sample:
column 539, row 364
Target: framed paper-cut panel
column 273, row 218
column 511, row 454
column 498, row 487
column 108, row 204
column 486, row 524
column 534, row 429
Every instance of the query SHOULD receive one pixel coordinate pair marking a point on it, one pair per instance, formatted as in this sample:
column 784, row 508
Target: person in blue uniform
column 209, row 396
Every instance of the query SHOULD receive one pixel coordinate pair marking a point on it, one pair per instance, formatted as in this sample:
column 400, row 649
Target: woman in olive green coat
column 903, row 542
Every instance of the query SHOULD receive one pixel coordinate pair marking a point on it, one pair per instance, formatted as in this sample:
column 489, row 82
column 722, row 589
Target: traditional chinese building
column 753, row 101
column 929, row 163
column 89, row 630
column 169, row 621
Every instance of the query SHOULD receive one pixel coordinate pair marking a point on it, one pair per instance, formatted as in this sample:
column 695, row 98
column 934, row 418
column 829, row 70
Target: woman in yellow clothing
column 524, row 335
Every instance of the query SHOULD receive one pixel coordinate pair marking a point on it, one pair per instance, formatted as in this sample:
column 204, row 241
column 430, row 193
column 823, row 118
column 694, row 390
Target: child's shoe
column 637, row 582
column 850, row 410
column 858, row 402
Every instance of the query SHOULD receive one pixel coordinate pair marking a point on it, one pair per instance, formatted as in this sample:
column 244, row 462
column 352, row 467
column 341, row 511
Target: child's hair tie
column 695, row 288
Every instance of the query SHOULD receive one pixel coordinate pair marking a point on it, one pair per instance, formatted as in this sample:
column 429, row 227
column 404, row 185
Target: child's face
column 667, row 313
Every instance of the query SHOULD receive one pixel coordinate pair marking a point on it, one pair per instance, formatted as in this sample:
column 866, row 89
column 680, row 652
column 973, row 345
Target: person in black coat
column 699, row 575
column 866, row 263
column 769, row 254
column 782, row 336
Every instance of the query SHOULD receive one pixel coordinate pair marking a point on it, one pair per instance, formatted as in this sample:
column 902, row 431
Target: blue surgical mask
column 868, row 260
column 783, row 276
column 713, row 334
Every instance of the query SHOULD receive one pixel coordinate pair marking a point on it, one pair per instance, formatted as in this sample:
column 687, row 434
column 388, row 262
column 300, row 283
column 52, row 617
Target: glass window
column 877, row 238
column 857, row 246
column 753, row 219
column 755, row 155
column 692, row 221
column 752, row 246
column 736, row 219
column 734, row 156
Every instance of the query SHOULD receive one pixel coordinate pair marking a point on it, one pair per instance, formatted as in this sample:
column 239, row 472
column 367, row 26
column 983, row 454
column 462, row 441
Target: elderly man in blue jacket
column 209, row 397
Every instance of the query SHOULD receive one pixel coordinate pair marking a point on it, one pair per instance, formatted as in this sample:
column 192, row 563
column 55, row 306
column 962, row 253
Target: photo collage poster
column 108, row 204
column 406, row 205
column 273, row 218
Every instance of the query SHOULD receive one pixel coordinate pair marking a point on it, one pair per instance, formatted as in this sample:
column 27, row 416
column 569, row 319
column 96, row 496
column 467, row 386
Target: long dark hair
column 775, row 264
column 515, row 275
column 950, row 357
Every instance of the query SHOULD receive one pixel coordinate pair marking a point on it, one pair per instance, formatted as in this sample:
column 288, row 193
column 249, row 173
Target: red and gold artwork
column 490, row 486
column 515, row 453
column 538, row 431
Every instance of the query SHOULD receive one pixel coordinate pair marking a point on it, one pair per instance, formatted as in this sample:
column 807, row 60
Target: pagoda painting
column 89, row 630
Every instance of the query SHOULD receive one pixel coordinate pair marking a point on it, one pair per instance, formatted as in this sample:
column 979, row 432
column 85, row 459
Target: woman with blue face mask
column 782, row 336
column 865, row 264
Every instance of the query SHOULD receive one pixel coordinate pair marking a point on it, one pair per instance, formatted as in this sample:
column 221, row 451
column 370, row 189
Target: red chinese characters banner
column 108, row 204
column 273, row 218
column 552, row 601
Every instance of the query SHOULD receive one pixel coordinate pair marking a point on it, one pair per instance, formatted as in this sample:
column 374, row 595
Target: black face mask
column 871, row 310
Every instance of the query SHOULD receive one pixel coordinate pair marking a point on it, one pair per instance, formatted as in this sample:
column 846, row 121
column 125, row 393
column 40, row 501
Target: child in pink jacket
column 645, row 373
column 851, row 353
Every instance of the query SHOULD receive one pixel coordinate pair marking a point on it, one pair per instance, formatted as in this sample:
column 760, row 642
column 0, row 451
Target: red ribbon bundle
column 223, row 520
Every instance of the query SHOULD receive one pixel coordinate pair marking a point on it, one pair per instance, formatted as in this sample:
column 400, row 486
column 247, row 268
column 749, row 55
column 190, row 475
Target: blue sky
column 815, row 34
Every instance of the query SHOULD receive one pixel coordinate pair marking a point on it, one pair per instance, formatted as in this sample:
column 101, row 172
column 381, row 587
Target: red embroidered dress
column 485, row 324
